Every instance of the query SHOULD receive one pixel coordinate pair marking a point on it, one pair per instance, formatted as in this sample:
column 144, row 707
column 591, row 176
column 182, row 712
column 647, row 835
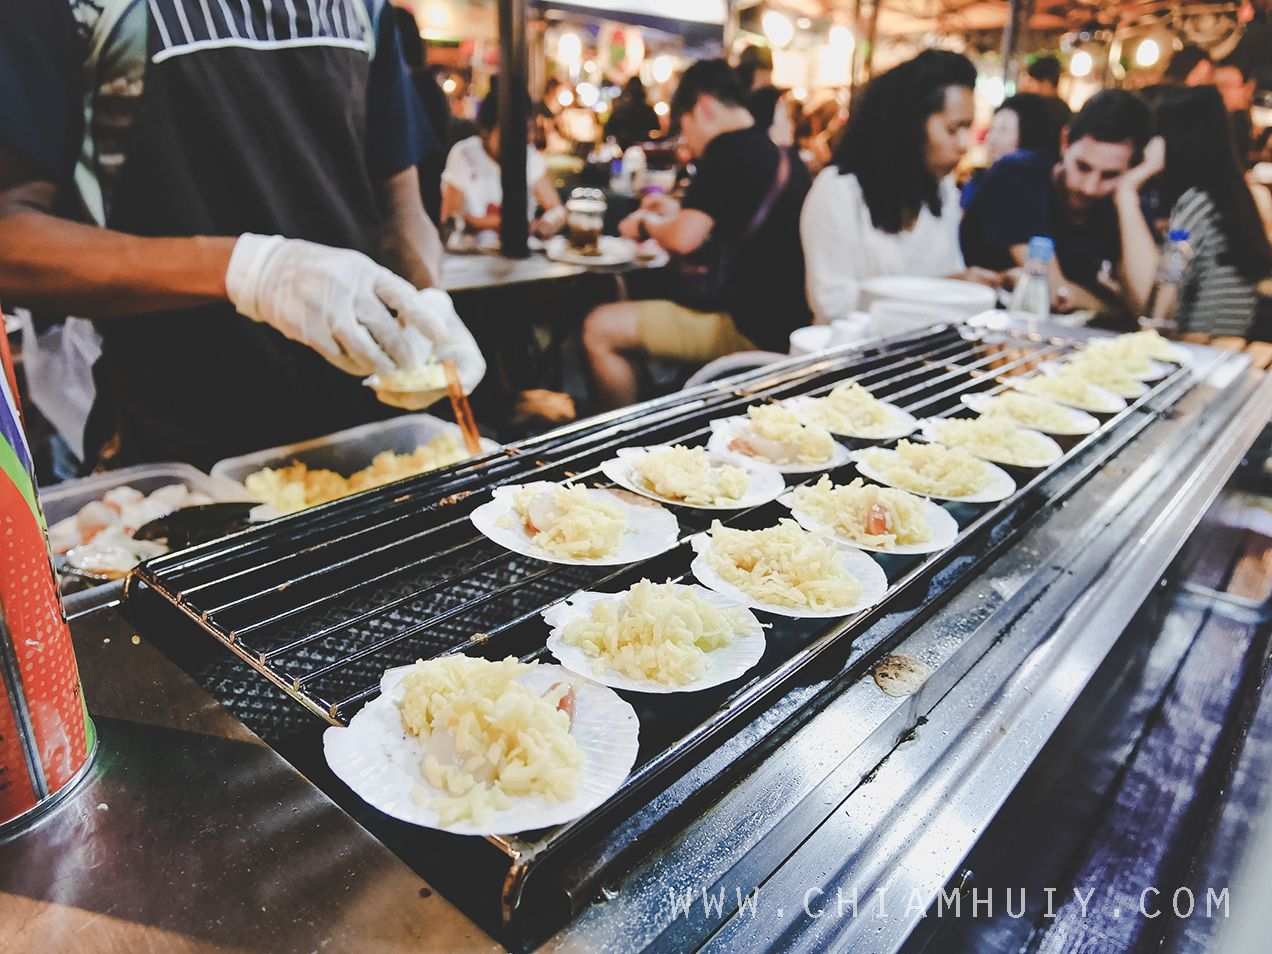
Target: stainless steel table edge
column 904, row 834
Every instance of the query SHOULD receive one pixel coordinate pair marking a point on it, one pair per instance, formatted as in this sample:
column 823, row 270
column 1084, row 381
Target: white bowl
column 809, row 340
column 964, row 298
column 813, row 338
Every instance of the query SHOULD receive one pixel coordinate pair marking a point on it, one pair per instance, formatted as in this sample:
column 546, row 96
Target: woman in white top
column 887, row 204
column 471, row 186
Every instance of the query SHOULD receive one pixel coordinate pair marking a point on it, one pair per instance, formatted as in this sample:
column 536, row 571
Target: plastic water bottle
column 1161, row 311
column 620, row 175
column 634, row 168
column 1032, row 296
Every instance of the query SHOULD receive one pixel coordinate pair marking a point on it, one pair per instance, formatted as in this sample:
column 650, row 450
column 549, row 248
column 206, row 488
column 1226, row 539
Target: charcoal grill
column 323, row 602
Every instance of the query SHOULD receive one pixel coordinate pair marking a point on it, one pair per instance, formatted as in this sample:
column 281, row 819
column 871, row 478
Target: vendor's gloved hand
column 411, row 399
column 431, row 313
column 336, row 301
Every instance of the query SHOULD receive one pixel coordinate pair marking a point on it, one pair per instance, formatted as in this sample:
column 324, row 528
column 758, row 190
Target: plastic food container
column 345, row 452
column 67, row 499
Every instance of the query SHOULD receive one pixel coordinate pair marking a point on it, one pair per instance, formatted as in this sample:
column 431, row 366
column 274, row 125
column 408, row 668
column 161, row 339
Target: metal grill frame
column 918, row 363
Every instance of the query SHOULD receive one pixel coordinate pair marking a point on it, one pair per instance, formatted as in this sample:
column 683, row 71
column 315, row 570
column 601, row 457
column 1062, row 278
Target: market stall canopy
column 694, row 19
column 947, row 17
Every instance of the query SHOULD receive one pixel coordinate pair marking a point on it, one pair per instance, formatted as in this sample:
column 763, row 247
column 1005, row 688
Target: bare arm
column 453, row 205
column 50, row 262
column 546, row 194
column 682, row 231
column 1139, row 252
column 553, row 217
column 411, row 246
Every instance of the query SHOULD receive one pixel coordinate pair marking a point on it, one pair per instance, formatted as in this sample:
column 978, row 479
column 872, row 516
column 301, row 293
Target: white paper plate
column 721, row 665
column 1082, row 422
column 381, row 762
column 874, row 585
column 613, row 251
column 766, row 480
column 1000, row 486
column 1156, row 369
column 723, row 430
column 929, row 428
column 901, row 424
column 1053, row 368
column 1110, row 403
column 651, row 530
column 944, row 529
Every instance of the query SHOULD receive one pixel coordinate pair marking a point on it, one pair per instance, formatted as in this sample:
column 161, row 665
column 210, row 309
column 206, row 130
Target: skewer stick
column 463, row 410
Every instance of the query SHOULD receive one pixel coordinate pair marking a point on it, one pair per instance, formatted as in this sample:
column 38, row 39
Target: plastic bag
column 59, row 370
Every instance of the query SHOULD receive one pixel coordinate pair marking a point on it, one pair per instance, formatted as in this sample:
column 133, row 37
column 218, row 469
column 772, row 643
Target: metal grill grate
column 322, row 603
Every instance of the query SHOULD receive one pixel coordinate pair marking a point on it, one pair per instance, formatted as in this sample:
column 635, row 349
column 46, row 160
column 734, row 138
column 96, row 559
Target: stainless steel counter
column 192, row 835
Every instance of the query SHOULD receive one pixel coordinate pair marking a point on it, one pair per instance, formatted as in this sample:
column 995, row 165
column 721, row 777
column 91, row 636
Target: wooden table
column 471, row 272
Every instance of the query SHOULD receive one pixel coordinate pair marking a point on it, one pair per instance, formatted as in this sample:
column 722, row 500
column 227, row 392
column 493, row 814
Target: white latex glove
column 431, row 313
column 335, row 300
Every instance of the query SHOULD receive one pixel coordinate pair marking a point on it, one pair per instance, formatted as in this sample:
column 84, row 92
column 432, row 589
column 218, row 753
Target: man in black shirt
column 1023, row 195
column 746, row 193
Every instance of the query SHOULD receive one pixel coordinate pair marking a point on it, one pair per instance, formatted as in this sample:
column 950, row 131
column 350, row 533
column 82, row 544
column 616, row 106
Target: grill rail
column 323, row 602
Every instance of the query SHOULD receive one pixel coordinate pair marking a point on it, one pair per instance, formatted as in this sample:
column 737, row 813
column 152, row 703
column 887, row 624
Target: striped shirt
column 1216, row 298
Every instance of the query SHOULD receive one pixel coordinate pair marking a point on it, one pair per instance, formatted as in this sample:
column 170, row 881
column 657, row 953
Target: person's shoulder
column 832, row 182
column 462, row 152
column 1025, row 162
column 740, row 147
column 1021, row 170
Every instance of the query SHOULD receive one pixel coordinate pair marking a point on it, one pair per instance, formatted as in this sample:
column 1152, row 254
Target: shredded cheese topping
column 1128, row 361
column 1038, row 413
column 657, row 631
column 1104, row 370
column 572, row 521
column 783, row 565
column 994, row 439
column 850, row 409
column 689, row 475
column 296, row 487
column 866, row 513
column 774, row 433
column 930, row 469
column 1066, row 388
column 507, row 742
column 430, row 376
column 1146, row 344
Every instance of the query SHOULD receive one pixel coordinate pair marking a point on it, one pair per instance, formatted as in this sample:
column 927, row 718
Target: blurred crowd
column 781, row 223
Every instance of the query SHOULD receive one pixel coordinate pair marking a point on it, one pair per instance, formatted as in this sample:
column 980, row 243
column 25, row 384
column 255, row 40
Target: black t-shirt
column 1058, row 114
column 633, row 121
column 1018, row 199
column 734, row 176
